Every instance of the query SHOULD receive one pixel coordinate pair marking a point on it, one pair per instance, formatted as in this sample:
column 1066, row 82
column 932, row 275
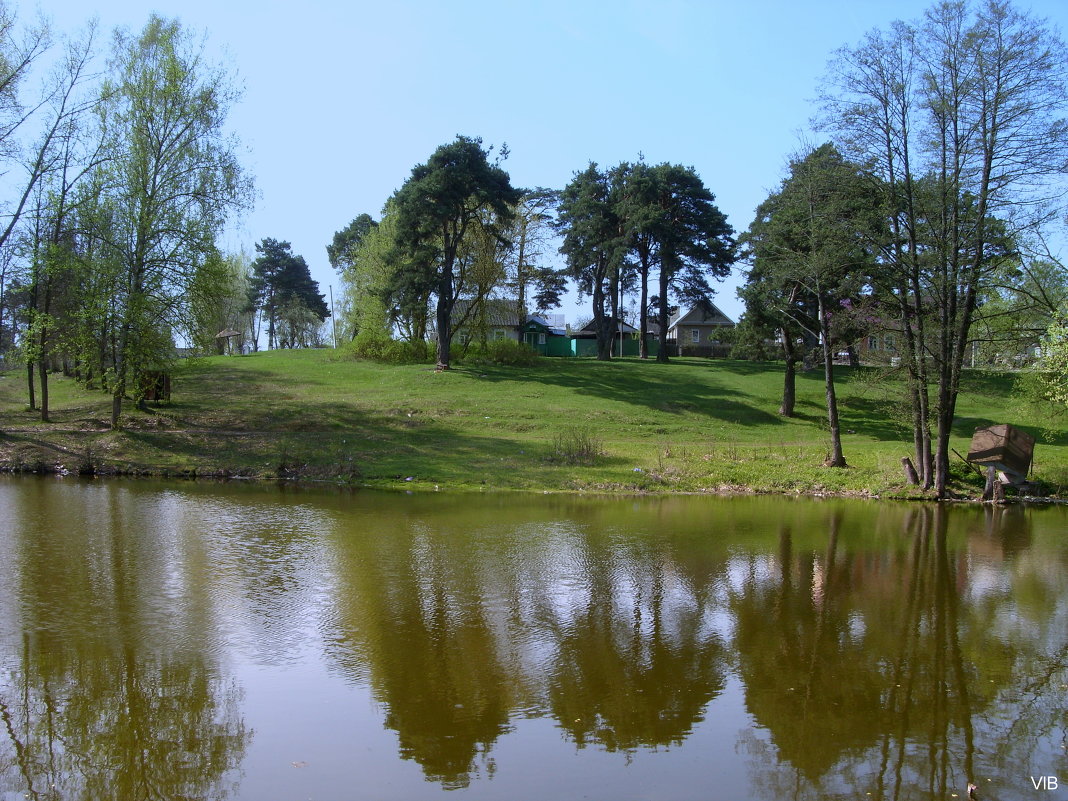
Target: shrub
column 504, row 352
column 574, row 445
column 756, row 351
column 378, row 347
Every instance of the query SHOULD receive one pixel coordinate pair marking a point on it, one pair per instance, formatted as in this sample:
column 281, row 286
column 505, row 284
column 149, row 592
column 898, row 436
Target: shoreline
column 296, row 478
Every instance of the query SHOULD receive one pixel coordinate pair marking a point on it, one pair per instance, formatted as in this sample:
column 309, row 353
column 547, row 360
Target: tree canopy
column 445, row 202
column 962, row 117
column 283, row 291
column 692, row 238
column 813, row 246
column 664, row 215
column 171, row 180
column 592, row 244
column 346, row 243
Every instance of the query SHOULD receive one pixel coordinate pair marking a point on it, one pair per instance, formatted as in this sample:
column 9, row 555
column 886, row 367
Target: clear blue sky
column 342, row 99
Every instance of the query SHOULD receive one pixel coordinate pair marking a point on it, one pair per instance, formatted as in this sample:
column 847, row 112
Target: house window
column 541, row 339
column 695, row 335
column 498, row 333
column 888, row 342
column 873, row 343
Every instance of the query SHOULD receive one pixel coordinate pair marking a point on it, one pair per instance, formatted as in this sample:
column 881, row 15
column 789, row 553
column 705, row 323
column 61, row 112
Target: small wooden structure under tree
column 226, row 340
column 155, row 385
column 1004, row 448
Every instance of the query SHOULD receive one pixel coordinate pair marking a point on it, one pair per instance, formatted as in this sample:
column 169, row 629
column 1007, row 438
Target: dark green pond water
column 192, row 641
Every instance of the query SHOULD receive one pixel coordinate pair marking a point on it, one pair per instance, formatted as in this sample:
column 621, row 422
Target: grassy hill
column 693, row 425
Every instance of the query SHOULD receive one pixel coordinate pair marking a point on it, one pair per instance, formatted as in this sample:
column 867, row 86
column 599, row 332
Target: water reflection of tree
column 637, row 666
column 115, row 725
column 461, row 624
column 1026, row 723
column 876, row 671
column 99, row 696
column 801, row 657
column 413, row 612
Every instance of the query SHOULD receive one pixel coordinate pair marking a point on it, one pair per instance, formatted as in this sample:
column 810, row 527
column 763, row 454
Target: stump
column 910, row 471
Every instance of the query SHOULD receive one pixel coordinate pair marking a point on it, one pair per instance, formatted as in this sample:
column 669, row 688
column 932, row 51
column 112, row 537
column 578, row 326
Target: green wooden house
column 546, row 339
column 584, row 341
column 497, row 318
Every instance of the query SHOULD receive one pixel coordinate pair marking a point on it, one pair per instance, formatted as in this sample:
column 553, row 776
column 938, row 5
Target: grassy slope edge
column 693, row 425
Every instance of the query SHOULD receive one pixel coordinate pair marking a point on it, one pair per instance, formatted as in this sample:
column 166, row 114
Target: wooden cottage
column 497, row 318
column 697, row 331
column 542, row 335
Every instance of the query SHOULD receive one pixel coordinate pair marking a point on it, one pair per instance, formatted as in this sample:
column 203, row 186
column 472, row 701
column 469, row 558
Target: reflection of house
column 698, row 331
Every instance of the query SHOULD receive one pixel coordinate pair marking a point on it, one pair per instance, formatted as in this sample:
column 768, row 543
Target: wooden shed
column 156, row 385
column 1004, row 448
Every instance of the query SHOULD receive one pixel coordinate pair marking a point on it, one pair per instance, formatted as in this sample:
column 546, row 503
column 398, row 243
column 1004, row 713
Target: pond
column 204, row 641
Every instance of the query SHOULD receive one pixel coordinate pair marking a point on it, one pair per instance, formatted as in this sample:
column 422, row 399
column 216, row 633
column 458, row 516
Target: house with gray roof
column 698, row 331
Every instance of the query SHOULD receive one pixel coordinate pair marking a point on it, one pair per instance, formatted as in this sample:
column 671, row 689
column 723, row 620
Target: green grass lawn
column 693, row 425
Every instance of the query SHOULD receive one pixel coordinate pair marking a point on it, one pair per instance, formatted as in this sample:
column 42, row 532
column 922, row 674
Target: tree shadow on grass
column 870, row 418
column 233, row 399
column 30, row 451
column 842, row 373
column 646, row 384
column 365, row 447
column 735, row 366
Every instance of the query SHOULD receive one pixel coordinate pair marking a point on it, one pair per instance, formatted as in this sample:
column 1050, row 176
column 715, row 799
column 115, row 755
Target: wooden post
column 999, row 492
column 991, row 480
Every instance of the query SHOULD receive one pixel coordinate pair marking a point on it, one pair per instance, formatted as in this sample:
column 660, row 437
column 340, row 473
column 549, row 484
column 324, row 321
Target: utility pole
column 333, row 318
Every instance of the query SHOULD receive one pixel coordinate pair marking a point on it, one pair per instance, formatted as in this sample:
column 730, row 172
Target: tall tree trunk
column 116, row 403
column 521, row 278
column 789, row 382
column 444, row 316
column 34, row 292
column 643, row 309
column 42, row 361
column 30, row 383
column 836, row 458
column 119, row 388
column 662, row 352
column 42, row 342
column 615, row 323
column 915, row 353
column 3, row 304
column 601, row 325
column 42, row 369
column 106, row 338
column 127, row 335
